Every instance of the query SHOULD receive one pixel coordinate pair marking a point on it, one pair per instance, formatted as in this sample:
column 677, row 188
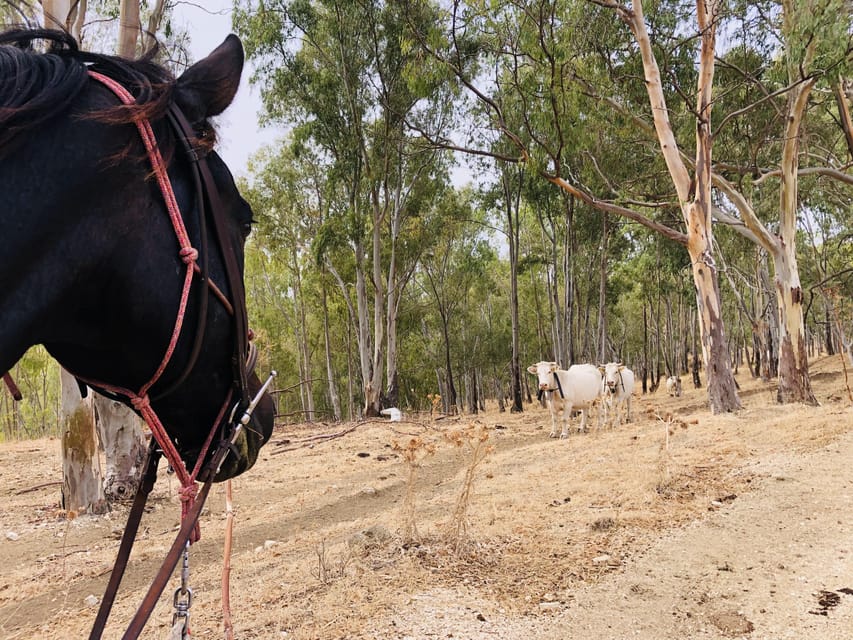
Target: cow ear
column 531, row 369
column 209, row 86
column 602, row 368
column 621, row 367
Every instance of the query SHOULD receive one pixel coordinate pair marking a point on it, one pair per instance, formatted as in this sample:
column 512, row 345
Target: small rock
column 90, row 600
column 549, row 606
column 372, row 537
column 11, row 535
column 601, row 559
column 269, row 544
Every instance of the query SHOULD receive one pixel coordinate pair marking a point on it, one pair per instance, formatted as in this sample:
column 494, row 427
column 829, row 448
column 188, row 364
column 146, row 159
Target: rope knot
column 189, row 255
column 188, row 492
column 140, row 403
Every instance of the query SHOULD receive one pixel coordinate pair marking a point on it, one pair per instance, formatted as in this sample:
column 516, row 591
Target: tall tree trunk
column 365, row 347
column 78, row 16
column 129, row 28
column 301, row 330
column 569, row 281
column 450, row 404
column 57, row 14
column 331, row 385
column 392, row 389
column 839, row 89
column 697, row 381
column 794, row 382
column 373, row 402
column 602, row 293
column 695, row 194
column 512, row 211
column 154, row 21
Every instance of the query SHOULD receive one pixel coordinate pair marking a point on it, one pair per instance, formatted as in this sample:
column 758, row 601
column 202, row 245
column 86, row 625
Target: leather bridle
column 208, row 202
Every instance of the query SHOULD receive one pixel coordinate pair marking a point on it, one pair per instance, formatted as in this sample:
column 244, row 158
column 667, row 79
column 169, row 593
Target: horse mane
column 36, row 87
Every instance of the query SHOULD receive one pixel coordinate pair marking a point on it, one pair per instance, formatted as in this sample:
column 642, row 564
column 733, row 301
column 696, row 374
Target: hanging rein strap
column 13, row 388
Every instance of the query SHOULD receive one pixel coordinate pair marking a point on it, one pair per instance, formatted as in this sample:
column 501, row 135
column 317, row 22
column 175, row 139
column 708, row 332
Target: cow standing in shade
column 617, row 387
column 567, row 390
column 673, row 386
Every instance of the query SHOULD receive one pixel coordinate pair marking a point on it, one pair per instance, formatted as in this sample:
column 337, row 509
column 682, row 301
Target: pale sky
column 240, row 135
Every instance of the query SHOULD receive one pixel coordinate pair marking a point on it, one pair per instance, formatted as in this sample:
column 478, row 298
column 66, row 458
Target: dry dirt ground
column 678, row 525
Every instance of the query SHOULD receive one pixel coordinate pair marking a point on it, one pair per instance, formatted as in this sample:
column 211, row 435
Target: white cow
column 567, row 390
column 616, row 387
column 673, row 386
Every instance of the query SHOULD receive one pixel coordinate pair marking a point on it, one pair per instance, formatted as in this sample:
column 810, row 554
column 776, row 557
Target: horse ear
column 209, row 86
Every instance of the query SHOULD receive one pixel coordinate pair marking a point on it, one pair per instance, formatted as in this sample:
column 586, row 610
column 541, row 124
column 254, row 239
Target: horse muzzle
column 252, row 431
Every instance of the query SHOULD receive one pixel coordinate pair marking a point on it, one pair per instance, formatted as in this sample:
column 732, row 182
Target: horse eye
column 247, row 228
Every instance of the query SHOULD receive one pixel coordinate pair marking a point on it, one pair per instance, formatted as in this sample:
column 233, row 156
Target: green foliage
column 369, row 90
column 37, row 415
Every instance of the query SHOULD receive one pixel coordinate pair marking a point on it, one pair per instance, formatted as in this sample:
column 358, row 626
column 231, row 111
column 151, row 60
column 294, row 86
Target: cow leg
column 567, row 419
column 553, row 411
column 628, row 409
column 583, row 419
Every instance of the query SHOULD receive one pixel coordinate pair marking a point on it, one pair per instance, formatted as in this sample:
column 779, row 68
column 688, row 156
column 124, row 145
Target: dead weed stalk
column 473, row 439
column 664, row 486
column 413, row 453
column 328, row 568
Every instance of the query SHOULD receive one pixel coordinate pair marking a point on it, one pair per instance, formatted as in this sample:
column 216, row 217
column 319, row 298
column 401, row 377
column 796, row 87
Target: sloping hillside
column 680, row 524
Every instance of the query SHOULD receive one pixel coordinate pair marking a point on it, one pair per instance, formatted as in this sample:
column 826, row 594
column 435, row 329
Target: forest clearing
column 681, row 524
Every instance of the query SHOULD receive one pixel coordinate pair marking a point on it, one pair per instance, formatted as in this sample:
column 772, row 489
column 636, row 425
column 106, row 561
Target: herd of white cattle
column 585, row 388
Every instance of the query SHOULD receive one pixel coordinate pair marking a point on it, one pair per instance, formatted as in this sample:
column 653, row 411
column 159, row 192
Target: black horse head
column 89, row 260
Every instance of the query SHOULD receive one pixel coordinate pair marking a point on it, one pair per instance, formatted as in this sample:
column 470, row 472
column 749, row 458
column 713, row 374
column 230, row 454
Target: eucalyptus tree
column 288, row 195
column 447, row 272
column 341, row 72
column 555, row 22
column 816, row 44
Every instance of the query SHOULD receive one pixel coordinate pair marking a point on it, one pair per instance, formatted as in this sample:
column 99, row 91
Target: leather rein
column 242, row 360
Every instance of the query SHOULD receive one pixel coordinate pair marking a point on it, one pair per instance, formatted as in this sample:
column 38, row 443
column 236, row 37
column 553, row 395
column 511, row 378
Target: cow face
column 612, row 373
column 544, row 371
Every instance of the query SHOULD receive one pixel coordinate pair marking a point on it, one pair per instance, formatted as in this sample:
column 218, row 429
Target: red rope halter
column 139, row 399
